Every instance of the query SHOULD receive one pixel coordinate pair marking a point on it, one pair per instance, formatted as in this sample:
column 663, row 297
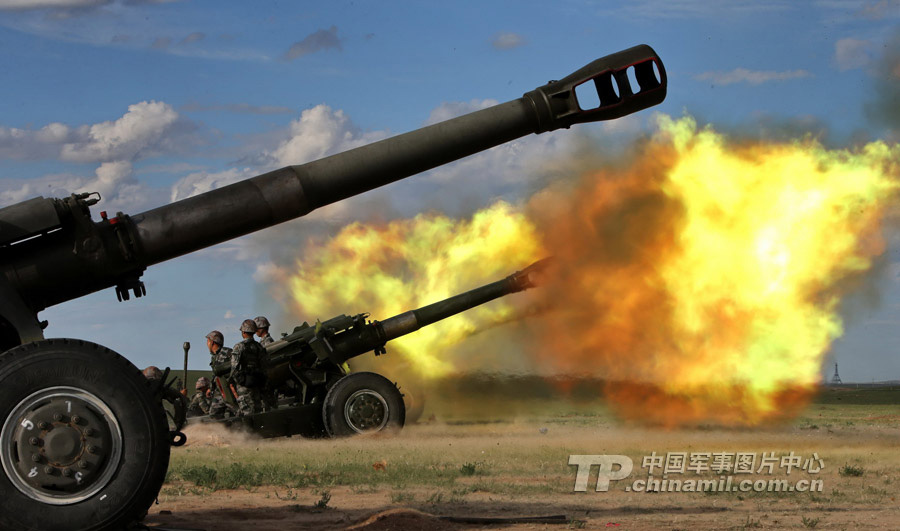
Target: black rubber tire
column 336, row 425
column 121, row 386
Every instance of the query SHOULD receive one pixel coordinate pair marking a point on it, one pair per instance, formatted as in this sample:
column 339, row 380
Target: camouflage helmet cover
column 153, row 373
column 248, row 326
column 261, row 322
column 202, row 383
column 216, row 337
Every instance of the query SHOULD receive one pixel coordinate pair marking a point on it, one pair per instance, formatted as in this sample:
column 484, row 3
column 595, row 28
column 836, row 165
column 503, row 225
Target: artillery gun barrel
column 293, row 191
column 51, row 251
column 342, row 338
column 247, row 206
column 408, row 322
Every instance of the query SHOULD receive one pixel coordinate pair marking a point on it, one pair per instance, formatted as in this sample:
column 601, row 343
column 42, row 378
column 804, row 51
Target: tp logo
column 606, row 473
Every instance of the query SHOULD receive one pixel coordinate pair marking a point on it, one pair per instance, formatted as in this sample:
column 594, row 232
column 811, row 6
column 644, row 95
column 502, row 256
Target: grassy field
column 502, row 462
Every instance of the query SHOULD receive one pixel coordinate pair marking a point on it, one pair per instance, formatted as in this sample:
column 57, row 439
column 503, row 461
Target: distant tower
column 836, row 379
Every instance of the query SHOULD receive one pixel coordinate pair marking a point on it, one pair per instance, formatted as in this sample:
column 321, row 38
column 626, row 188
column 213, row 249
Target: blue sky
column 149, row 101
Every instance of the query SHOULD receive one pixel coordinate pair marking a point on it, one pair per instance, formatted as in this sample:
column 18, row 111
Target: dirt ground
column 519, row 468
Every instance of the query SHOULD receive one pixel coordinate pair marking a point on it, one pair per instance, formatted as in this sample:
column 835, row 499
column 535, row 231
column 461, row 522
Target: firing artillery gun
column 308, row 367
column 84, row 441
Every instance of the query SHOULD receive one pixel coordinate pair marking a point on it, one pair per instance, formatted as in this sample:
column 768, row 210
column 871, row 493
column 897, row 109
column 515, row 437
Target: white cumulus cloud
column 144, row 127
column 320, row 132
column 31, row 144
column 147, row 128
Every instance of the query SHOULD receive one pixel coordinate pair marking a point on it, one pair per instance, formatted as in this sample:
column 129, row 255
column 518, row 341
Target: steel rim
column 366, row 410
column 60, row 445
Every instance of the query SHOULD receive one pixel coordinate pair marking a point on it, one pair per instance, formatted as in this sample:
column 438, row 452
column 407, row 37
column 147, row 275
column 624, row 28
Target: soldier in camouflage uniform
column 262, row 330
column 200, row 402
column 246, row 370
column 269, row 395
column 218, row 355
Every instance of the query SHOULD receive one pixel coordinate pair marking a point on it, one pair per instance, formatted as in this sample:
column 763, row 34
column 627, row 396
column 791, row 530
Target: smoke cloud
column 697, row 274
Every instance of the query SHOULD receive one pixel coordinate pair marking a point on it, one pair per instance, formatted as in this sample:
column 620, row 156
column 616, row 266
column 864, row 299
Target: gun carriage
column 307, row 368
column 84, row 440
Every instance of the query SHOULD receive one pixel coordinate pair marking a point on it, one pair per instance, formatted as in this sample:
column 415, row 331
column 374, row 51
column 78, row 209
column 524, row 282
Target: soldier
column 200, row 402
column 269, row 396
column 262, row 330
column 246, row 370
column 218, row 356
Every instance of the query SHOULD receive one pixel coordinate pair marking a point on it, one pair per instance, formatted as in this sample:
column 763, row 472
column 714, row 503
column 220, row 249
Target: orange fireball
column 700, row 278
column 704, row 279
column 389, row 269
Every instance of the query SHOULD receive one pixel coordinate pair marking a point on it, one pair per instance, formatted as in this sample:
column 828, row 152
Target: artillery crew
column 246, row 370
column 262, row 331
column 201, row 400
column 269, row 395
column 219, row 355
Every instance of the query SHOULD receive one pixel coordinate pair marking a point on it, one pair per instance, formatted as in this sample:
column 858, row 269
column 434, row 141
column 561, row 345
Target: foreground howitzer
column 306, row 368
column 84, row 441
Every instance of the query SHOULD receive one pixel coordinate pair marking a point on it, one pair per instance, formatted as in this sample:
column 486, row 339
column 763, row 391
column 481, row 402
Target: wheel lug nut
column 44, row 425
column 34, row 441
column 67, row 472
column 89, row 432
column 36, row 458
column 76, row 419
column 49, row 470
column 82, row 464
column 57, row 417
column 92, row 449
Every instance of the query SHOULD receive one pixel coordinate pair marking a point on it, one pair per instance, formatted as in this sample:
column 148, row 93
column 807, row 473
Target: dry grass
column 489, row 464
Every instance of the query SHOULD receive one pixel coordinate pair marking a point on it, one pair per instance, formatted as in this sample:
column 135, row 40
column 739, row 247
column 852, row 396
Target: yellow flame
column 768, row 231
column 732, row 300
column 702, row 279
column 406, row 264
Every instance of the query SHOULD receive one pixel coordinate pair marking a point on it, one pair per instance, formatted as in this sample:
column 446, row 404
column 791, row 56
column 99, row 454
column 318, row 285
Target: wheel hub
column 366, row 410
column 60, row 445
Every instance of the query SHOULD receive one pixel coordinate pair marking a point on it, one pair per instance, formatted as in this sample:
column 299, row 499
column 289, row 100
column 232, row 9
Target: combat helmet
column 202, row 383
column 248, row 326
column 261, row 322
column 216, row 337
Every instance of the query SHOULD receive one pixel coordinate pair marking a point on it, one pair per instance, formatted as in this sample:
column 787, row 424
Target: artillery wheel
column 83, row 442
column 363, row 402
